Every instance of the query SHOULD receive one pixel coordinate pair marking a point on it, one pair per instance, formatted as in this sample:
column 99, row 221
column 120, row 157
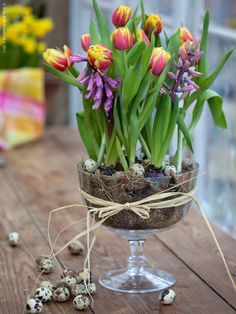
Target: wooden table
column 42, row 176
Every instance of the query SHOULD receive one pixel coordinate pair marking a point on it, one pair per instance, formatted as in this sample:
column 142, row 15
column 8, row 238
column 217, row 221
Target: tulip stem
column 125, row 64
column 179, row 152
column 101, row 150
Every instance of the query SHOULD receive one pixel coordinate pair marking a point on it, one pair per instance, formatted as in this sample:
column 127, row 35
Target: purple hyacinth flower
column 98, row 80
column 108, row 91
column 82, row 75
column 85, row 81
column 77, row 58
column 108, row 104
column 99, row 94
column 97, row 103
column 111, row 82
column 91, row 94
column 92, row 82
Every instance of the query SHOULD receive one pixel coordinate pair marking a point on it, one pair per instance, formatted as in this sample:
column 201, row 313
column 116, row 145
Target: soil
column 120, row 187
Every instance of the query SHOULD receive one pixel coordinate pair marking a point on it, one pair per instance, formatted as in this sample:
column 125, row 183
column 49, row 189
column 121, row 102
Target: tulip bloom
column 85, row 41
column 123, row 38
column 154, row 22
column 143, row 36
column 56, row 59
column 99, row 57
column 68, row 53
column 121, row 16
column 159, row 59
column 185, row 35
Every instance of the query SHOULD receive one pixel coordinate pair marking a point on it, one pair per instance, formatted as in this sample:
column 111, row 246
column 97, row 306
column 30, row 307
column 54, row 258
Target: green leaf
column 121, row 156
column 142, row 92
column 112, row 155
column 85, row 135
column 173, row 44
column 94, row 35
column 169, row 134
column 134, row 133
column 184, row 129
column 131, row 85
column 215, row 103
column 160, row 126
column 203, row 63
column 65, row 77
column 151, row 99
column 205, row 84
column 143, row 15
column 102, row 24
column 135, row 52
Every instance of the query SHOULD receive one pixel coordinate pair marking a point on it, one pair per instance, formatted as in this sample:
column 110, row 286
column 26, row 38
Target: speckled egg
column 61, row 294
column 170, row 170
column 84, row 275
column 137, row 170
column 69, row 281
column 90, row 165
column 47, row 284
column 14, row 238
column 43, row 294
column 68, row 272
column 76, row 247
column 81, row 302
column 78, row 289
column 167, row 296
column 46, row 265
column 34, row 306
column 91, row 287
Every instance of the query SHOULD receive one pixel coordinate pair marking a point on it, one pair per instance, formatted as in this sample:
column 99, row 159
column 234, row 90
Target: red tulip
column 123, row 38
column 56, row 59
column 159, row 59
column 185, row 35
column 143, row 36
column 121, row 15
column 99, row 57
column 154, row 22
column 85, row 41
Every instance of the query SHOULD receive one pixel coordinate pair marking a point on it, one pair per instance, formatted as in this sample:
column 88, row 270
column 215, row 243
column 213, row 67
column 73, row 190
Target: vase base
column 149, row 280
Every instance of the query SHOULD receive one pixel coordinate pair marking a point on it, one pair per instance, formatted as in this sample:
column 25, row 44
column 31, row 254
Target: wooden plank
column 46, row 159
column 192, row 242
column 18, row 267
column 111, row 251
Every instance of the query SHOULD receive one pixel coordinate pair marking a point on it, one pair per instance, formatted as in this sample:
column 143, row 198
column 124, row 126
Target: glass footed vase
column 121, row 188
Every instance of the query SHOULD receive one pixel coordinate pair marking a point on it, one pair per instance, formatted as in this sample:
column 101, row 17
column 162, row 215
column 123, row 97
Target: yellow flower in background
column 41, row 27
column 41, row 47
column 15, row 11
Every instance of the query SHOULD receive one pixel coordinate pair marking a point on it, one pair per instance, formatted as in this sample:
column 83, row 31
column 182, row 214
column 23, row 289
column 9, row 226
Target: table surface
column 41, row 176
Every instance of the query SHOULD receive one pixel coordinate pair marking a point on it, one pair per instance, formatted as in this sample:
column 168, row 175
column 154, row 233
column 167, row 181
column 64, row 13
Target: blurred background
column 215, row 149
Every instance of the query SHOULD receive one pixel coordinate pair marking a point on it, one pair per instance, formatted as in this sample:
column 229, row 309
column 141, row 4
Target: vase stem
column 137, row 261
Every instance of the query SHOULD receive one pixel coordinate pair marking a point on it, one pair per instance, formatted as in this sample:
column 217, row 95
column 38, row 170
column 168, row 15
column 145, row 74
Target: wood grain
column 42, row 176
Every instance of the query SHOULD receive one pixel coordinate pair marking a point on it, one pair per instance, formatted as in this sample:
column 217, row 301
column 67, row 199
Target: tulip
column 56, row 59
column 123, row 38
column 185, row 35
column 159, row 59
column 99, row 57
column 142, row 36
column 121, row 15
column 85, row 41
column 154, row 22
column 68, row 53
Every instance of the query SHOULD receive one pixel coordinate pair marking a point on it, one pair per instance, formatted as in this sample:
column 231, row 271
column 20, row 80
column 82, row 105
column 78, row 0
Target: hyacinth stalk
column 137, row 87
